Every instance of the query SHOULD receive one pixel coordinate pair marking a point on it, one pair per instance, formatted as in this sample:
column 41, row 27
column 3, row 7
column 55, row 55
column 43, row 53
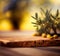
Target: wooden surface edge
column 35, row 43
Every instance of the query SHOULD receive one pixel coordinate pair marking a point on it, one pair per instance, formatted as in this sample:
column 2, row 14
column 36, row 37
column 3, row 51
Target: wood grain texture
column 20, row 39
column 29, row 42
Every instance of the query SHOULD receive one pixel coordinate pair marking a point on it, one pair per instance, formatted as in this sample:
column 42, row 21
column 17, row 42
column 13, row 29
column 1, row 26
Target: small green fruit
column 36, row 34
column 44, row 35
column 49, row 36
column 55, row 36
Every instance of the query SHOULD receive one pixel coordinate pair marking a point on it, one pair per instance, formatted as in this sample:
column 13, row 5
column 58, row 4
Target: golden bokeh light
column 26, row 23
column 26, row 16
column 55, row 2
column 8, row 14
column 5, row 25
column 27, row 19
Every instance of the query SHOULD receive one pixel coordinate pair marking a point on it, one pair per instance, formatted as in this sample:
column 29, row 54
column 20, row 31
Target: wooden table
column 25, row 39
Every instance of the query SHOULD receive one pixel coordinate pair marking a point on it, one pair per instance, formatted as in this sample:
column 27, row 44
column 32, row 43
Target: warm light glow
column 26, row 24
column 8, row 14
column 27, row 19
column 56, row 2
column 5, row 25
column 38, row 2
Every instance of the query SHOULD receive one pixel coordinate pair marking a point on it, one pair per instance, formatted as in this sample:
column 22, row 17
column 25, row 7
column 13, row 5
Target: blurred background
column 16, row 14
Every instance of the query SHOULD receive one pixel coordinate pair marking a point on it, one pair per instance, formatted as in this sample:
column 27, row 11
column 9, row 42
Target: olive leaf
column 57, row 13
column 48, row 23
